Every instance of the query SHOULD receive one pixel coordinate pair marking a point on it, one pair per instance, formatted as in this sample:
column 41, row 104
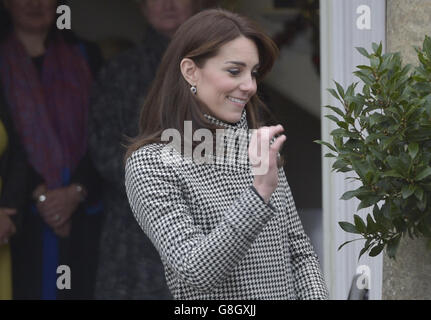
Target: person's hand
column 7, row 227
column 264, row 158
column 58, row 205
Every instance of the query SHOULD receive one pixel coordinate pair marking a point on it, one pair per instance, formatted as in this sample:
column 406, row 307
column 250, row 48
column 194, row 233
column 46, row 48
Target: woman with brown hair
column 224, row 229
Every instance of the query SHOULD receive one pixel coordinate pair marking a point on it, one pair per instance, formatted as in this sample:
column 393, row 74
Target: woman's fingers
column 278, row 143
column 264, row 148
column 267, row 133
column 260, row 141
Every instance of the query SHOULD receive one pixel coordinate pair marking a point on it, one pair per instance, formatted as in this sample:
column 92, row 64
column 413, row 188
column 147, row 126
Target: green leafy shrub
column 383, row 134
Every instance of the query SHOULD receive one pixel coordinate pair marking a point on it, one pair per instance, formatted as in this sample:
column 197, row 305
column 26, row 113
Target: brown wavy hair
column 169, row 101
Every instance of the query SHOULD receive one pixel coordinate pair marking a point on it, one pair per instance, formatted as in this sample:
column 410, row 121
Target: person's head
column 224, row 55
column 31, row 16
column 165, row 16
column 225, row 82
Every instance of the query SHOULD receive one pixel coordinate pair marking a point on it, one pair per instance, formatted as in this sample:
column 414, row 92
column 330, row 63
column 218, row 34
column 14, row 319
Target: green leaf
column 336, row 110
column 363, row 52
column 413, row 150
column 364, row 67
column 334, row 94
column 412, row 111
column 396, row 164
column 427, row 46
column 361, row 168
column 333, row 118
column 374, row 62
column 363, row 250
column 375, row 251
column 369, row 177
column 368, row 202
column 326, row 144
column 423, row 174
column 343, row 125
column 377, row 118
column 379, row 50
column 366, row 90
column 364, row 77
column 407, row 190
column 387, row 142
column 339, row 248
column 340, row 89
column 419, row 193
column 330, row 155
column 359, row 224
column 339, row 164
column 351, row 92
column 339, row 133
column 392, row 173
column 351, row 194
column 348, row 227
column 379, row 155
column 371, row 225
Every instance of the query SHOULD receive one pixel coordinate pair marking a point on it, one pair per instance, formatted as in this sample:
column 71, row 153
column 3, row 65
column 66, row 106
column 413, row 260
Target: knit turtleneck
column 232, row 153
column 241, row 124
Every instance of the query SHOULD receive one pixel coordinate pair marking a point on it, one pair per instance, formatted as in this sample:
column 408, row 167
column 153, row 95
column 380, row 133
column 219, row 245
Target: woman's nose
column 248, row 84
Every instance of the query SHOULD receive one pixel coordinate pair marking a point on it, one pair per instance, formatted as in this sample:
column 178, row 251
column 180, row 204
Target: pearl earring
column 193, row 90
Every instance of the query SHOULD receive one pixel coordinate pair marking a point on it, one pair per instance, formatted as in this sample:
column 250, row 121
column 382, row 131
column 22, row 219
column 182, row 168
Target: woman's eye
column 234, row 72
column 255, row 74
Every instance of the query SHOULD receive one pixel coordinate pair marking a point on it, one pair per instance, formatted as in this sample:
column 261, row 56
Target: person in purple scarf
column 46, row 76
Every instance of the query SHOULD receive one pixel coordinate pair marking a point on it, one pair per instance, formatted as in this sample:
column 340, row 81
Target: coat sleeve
column 309, row 283
column 203, row 261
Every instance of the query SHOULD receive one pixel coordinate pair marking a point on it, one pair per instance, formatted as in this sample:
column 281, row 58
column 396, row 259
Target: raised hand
column 264, row 158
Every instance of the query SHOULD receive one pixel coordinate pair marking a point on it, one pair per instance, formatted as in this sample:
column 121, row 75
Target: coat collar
column 241, row 124
column 235, row 144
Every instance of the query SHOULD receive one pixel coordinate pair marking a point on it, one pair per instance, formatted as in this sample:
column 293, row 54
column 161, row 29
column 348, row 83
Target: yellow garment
column 5, row 273
column 5, row 259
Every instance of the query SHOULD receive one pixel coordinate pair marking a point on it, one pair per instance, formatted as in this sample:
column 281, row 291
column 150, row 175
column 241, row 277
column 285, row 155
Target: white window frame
column 339, row 37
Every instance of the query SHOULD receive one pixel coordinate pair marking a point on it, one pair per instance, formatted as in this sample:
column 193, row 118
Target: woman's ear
column 190, row 71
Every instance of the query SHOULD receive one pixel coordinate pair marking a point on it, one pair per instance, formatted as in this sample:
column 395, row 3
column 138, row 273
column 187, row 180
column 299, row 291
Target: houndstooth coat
column 215, row 235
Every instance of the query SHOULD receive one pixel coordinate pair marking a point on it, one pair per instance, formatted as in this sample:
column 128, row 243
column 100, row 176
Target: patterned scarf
column 49, row 110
